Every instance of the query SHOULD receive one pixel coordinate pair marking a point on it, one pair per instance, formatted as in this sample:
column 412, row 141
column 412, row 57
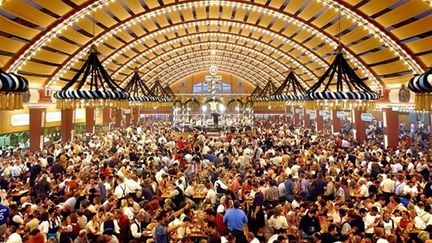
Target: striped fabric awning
column 10, row 83
column 421, row 83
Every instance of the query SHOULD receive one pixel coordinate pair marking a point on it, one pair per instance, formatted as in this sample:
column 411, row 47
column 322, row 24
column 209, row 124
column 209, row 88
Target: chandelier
column 263, row 98
column 164, row 98
column 340, row 88
column 12, row 87
column 421, row 85
column 91, row 87
column 139, row 94
column 291, row 91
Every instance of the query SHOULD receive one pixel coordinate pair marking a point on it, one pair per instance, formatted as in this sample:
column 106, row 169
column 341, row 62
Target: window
column 203, row 87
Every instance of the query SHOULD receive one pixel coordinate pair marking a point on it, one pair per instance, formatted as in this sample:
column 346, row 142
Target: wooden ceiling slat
column 293, row 6
column 135, row 6
column 406, row 11
column 374, row 7
column 117, row 9
column 311, row 10
column 152, row 3
column 14, row 28
column 414, row 28
column 421, row 45
column 55, row 6
column 10, row 45
column 22, row 9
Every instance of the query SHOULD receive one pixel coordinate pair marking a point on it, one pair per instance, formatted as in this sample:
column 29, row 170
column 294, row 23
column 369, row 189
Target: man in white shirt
column 211, row 194
column 121, row 189
column 371, row 220
column 136, row 228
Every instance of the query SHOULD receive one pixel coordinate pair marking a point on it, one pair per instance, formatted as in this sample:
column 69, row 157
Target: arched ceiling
column 47, row 41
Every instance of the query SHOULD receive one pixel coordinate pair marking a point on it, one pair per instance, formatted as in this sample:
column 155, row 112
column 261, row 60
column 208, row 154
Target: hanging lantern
column 139, row 94
column 91, row 87
column 349, row 92
column 164, row 98
column 421, row 85
column 12, row 87
column 262, row 98
column 291, row 92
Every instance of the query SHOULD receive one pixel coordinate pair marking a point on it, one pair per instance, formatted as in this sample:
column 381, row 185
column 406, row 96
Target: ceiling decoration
column 12, row 87
column 421, row 85
column 139, row 93
column 386, row 41
column 91, row 87
column 291, row 90
column 340, row 88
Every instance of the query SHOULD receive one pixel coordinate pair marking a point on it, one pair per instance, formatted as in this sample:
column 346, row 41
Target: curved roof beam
column 72, row 61
column 59, row 26
column 155, row 71
column 208, row 46
column 312, row 54
column 177, row 75
column 259, row 74
column 206, row 55
column 246, row 40
column 248, row 6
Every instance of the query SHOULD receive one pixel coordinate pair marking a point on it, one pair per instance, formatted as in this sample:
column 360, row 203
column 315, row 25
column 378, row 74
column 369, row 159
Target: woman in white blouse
column 278, row 221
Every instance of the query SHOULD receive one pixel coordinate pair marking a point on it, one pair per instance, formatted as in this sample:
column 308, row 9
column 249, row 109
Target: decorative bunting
column 12, row 87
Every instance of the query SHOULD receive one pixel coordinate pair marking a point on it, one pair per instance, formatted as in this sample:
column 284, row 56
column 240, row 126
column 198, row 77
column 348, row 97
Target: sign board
column 53, row 116
column 289, row 114
column 297, row 110
column 366, row 117
column 322, row 113
column 340, row 114
column 20, row 120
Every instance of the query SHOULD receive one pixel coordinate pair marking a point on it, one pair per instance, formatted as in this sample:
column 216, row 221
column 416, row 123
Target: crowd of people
column 276, row 183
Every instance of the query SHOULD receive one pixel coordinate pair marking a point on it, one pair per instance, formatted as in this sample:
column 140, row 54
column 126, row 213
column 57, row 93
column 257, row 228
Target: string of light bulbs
column 302, row 24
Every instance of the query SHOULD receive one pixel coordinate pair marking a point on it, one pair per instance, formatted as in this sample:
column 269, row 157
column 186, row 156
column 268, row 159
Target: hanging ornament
column 91, row 87
column 340, row 88
column 421, row 85
column 12, row 88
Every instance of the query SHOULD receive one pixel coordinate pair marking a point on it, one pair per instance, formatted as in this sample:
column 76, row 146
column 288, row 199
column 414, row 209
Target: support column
column 359, row 126
column 296, row 116
column 128, row 119
column 118, row 117
column 336, row 123
column 391, row 128
column 319, row 120
column 106, row 116
column 135, row 116
column 90, row 120
column 66, row 126
column 37, row 123
column 306, row 119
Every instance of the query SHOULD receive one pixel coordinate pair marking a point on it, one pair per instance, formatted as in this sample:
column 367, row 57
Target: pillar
column 66, row 126
column 135, row 116
column 90, row 120
column 391, row 128
column 118, row 117
column 296, row 116
column 306, row 119
column 359, row 126
column 319, row 121
column 128, row 119
column 336, row 123
column 37, row 123
column 106, row 116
